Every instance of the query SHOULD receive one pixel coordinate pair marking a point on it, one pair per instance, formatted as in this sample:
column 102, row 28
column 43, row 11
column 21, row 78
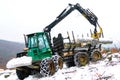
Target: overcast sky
column 18, row 17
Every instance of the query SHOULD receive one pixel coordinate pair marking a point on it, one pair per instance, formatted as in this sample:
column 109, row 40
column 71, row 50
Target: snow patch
column 17, row 62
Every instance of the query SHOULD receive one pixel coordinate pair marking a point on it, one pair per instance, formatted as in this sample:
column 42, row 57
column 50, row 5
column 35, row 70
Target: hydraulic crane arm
column 91, row 17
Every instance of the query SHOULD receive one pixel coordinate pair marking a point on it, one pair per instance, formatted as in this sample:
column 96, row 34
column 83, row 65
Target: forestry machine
column 42, row 56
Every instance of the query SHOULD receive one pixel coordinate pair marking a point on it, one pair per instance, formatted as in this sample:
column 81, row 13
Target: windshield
column 38, row 40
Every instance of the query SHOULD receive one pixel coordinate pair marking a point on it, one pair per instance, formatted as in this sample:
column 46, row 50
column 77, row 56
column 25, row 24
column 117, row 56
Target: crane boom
column 90, row 16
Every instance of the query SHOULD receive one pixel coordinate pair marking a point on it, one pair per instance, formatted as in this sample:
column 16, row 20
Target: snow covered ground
column 106, row 69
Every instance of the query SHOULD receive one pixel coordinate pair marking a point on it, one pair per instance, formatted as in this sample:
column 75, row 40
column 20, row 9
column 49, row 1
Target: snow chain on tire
column 47, row 67
column 81, row 59
column 58, row 62
column 96, row 55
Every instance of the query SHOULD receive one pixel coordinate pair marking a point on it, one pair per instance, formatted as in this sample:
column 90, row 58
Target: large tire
column 81, row 59
column 58, row 61
column 47, row 67
column 96, row 55
column 22, row 72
